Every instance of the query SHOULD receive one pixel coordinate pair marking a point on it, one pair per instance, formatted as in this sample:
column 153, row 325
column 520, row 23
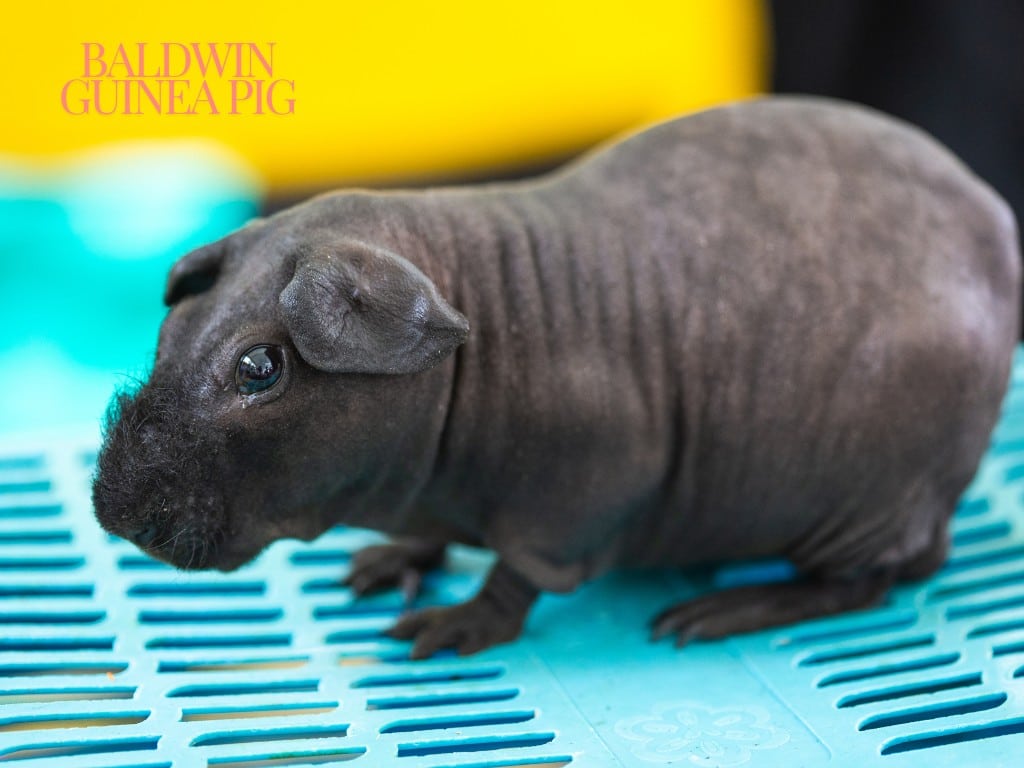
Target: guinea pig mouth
column 186, row 549
column 242, row 544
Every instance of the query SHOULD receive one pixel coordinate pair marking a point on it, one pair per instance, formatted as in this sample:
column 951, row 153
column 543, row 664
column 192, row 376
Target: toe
column 683, row 620
column 668, row 622
column 359, row 583
column 407, row 626
column 432, row 639
column 471, row 643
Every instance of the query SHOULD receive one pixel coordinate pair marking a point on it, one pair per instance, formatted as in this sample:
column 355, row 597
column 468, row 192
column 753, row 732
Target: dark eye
column 259, row 368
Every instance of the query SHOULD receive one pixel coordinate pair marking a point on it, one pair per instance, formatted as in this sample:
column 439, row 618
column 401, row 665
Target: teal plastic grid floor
column 108, row 658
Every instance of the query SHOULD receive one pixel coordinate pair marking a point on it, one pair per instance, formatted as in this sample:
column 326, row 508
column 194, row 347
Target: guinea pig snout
column 158, row 483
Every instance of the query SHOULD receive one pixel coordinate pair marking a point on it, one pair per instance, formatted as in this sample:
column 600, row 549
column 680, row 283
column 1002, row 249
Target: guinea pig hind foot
column 751, row 608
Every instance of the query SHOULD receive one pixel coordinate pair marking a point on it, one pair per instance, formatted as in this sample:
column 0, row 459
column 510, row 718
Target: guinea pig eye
column 259, row 368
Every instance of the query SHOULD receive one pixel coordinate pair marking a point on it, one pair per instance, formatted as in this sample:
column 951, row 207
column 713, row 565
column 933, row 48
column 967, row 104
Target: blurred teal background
column 84, row 251
column 95, row 207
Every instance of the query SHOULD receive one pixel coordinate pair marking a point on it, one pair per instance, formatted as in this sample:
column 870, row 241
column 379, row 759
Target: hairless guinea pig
column 779, row 328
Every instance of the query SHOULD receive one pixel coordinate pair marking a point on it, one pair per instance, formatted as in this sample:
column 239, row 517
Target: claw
column 685, row 636
column 659, row 626
column 357, row 584
column 410, row 583
column 424, row 647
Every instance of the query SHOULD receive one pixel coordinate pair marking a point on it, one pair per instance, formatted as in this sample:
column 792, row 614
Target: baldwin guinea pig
column 779, row 328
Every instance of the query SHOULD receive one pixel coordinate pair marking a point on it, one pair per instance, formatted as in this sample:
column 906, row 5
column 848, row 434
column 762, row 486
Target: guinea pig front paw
column 397, row 564
column 495, row 615
column 468, row 627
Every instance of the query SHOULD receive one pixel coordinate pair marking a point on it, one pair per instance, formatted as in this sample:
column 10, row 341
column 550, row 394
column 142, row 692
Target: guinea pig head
column 296, row 385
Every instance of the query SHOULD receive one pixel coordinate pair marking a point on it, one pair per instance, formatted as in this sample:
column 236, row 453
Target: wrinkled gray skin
column 783, row 327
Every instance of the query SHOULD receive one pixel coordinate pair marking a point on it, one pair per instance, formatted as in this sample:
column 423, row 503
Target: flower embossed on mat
column 689, row 732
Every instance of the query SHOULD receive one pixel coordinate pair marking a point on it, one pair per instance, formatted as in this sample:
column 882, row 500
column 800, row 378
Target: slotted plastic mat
column 108, row 658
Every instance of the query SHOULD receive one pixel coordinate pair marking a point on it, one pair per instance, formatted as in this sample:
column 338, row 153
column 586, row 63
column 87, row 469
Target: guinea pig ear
column 362, row 309
column 194, row 273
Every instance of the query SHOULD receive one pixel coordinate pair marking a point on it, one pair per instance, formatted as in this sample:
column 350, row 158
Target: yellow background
column 398, row 90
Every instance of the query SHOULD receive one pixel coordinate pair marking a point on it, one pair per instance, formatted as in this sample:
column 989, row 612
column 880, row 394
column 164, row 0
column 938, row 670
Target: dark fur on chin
column 151, row 449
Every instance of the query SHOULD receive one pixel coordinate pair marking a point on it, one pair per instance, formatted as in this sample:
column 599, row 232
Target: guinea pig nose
column 144, row 536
